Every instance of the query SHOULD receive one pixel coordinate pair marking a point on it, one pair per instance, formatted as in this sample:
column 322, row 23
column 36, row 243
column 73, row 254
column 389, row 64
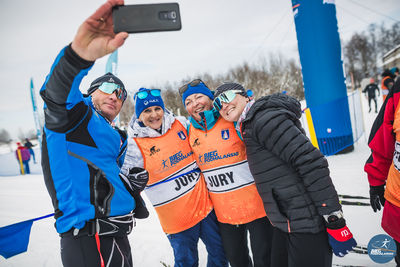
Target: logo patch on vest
column 173, row 160
column 213, row 155
column 182, row 135
column 225, row 134
column 196, row 142
column 154, row 150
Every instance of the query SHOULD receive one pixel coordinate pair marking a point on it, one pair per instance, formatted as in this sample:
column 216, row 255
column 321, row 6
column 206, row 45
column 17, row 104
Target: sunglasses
column 145, row 93
column 225, row 97
column 192, row 84
column 110, row 88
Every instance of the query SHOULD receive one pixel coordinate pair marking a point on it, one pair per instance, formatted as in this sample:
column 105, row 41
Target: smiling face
column 197, row 103
column 152, row 117
column 108, row 104
column 232, row 111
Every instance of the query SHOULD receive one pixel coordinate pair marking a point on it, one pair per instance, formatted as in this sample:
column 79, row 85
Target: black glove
column 135, row 182
column 377, row 199
column 136, row 179
column 140, row 211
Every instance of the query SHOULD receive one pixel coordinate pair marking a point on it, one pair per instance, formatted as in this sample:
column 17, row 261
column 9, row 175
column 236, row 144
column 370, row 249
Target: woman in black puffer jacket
column 292, row 178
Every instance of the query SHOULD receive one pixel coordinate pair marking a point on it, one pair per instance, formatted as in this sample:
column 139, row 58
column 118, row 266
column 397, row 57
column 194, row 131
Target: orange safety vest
column 176, row 188
column 221, row 156
column 385, row 89
column 392, row 191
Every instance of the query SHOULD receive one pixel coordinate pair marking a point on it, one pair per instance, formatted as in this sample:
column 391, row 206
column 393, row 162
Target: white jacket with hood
column 133, row 156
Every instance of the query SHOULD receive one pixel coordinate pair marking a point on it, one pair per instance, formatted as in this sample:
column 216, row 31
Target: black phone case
column 147, row 18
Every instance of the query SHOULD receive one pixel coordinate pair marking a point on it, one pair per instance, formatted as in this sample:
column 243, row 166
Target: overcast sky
column 216, row 35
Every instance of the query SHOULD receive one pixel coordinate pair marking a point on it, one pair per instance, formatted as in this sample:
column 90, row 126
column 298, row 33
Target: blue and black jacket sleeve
column 64, row 105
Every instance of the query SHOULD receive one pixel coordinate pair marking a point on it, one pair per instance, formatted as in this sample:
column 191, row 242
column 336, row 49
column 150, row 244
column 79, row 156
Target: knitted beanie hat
column 149, row 101
column 200, row 88
column 108, row 77
column 230, row 86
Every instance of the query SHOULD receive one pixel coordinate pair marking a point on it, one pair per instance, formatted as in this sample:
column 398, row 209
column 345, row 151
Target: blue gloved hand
column 340, row 237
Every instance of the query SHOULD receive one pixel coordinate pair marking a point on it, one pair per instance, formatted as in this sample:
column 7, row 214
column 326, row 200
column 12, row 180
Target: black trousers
column 300, row 249
column 82, row 251
column 369, row 103
column 397, row 257
column 234, row 240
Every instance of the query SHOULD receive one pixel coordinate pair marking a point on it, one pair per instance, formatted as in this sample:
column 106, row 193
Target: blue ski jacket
column 81, row 152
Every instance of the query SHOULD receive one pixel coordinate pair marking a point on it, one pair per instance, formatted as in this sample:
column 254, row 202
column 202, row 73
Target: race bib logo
column 176, row 158
column 213, row 155
column 225, row 134
column 196, row 142
column 154, row 150
column 381, row 248
column 182, row 135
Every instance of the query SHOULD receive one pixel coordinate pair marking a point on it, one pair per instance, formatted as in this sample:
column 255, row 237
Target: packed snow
column 24, row 197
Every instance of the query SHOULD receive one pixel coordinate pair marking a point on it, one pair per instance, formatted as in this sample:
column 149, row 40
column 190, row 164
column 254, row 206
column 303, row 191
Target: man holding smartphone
column 83, row 152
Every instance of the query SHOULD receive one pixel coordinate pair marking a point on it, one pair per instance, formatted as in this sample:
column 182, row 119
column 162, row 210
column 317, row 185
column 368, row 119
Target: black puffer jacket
column 291, row 175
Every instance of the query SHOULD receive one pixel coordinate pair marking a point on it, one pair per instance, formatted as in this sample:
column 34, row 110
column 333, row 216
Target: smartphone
column 147, row 18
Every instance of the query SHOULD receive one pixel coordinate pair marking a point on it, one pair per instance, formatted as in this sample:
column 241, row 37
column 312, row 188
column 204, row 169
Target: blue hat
column 394, row 70
column 200, row 88
column 149, row 101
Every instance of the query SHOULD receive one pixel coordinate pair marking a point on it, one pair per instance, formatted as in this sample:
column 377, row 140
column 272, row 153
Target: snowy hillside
column 25, row 197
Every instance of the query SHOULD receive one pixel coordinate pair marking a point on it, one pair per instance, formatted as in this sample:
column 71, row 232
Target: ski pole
column 356, row 197
column 353, row 203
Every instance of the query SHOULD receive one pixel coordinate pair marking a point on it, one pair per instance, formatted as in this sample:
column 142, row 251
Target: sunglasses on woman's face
column 110, row 88
column 192, row 84
column 225, row 97
column 145, row 93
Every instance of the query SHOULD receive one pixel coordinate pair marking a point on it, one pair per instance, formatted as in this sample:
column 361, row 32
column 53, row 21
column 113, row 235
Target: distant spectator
column 369, row 90
column 387, row 82
column 29, row 146
column 25, row 157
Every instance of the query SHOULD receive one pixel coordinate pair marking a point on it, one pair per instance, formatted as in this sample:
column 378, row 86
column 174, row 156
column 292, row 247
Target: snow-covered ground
column 25, row 197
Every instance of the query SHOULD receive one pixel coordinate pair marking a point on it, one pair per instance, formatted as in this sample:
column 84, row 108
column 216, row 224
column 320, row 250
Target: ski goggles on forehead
column 192, row 84
column 110, row 88
column 225, row 97
column 145, row 93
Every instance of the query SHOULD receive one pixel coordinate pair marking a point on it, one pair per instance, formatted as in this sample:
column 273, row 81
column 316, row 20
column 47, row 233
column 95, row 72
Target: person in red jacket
column 383, row 166
column 25, row 157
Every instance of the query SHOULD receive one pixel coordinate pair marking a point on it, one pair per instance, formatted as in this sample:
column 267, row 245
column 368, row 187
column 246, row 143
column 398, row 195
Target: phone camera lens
column 167, row 15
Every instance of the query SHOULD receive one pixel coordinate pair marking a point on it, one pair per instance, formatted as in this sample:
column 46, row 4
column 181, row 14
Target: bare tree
column 127, row 111
column 4, row 136
column 364, row 50
column 388, row 38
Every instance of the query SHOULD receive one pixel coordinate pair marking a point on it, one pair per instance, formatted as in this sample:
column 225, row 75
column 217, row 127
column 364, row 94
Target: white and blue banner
column 36, row 114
